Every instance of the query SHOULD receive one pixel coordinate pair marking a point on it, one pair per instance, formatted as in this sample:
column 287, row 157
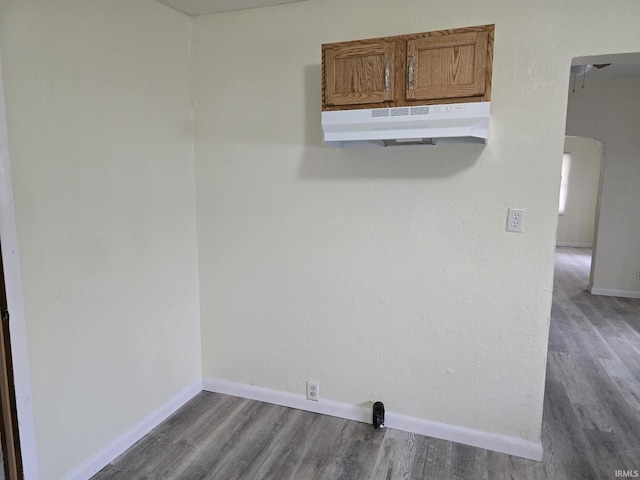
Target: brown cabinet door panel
column 359, row 73
column 449, row 66
column 446, row 66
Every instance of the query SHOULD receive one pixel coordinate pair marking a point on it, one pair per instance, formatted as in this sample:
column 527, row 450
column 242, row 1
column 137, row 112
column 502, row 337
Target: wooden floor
column 591, row 422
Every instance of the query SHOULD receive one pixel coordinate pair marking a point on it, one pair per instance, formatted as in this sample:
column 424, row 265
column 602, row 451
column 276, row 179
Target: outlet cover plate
column 313, row 391
column 515, row 220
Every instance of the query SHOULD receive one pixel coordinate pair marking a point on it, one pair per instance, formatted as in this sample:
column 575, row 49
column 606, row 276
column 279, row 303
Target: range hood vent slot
column 409, row 141
column 399, row 111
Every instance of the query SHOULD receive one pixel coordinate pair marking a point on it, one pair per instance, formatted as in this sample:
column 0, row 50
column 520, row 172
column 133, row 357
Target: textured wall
column 98, row 106
column 384, row 274
column 609, row 112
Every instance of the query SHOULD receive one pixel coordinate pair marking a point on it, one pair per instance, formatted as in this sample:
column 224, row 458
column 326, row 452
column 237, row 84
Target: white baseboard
column 577, row 245
column 96, row 463
column 609, row 292
column 467, row 436
column 285, row 399
column 476, row 438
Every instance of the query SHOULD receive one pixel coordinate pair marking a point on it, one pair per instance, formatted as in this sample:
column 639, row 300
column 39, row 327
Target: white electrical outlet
column 515, row 220
column 313, row 391
column 638, row 275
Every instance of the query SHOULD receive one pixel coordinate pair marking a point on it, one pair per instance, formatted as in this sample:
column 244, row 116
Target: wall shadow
column 320, row 162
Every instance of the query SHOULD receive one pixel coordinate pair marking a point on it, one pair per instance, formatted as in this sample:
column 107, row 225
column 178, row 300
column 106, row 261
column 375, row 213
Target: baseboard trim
column 285, row 399
column 609, row 292
column 96, row 463
column 577, row 245
column 476, row 438
column 467, row 436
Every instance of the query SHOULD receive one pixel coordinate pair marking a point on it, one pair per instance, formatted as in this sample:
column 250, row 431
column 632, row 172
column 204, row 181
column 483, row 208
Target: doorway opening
column 594, row 337
column 578, row 210
column 601, row 139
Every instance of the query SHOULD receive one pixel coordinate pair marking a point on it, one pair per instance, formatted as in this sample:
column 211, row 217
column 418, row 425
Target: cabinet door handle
column 386, row 75
column 411, row 73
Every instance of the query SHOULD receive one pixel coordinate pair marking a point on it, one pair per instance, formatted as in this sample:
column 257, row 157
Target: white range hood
column 455, row 123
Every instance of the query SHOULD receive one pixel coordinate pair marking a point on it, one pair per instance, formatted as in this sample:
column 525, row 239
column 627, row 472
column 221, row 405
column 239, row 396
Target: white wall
column 576, row 226
column 100, row 133
column 609, row 112
column 384, row 274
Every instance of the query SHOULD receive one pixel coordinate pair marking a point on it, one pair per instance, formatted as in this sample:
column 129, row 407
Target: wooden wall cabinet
column 446, row 66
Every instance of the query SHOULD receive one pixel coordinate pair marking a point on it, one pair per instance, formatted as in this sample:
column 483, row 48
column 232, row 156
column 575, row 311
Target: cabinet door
column 359, row 73
column 447, row 66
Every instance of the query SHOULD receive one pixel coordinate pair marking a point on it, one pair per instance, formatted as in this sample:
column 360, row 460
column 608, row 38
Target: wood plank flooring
column 591, row 424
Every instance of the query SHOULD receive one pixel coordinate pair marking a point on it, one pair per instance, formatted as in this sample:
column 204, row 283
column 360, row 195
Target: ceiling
column 205, row 7
column 621, row 65
column 616, row 70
